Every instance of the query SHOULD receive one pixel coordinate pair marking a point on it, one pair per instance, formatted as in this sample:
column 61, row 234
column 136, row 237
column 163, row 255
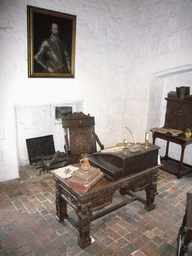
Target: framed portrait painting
column 51, row 43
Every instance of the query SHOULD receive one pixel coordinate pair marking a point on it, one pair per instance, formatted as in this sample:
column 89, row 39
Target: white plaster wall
column 119, row 44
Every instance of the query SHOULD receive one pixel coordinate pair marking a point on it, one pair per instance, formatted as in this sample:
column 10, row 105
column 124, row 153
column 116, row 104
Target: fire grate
column 41, row 153
column 40, row 146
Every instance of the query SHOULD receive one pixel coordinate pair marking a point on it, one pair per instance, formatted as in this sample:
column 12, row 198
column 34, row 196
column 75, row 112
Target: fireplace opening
column 41, row 153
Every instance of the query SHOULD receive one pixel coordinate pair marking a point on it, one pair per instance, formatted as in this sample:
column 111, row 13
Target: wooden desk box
column 116, row 165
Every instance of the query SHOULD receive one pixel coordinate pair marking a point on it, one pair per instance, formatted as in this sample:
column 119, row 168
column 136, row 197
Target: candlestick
column 125, row 147
column 146, row 138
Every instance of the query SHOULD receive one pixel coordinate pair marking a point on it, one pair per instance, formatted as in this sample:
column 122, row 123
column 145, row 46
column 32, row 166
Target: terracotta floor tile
column 28, row 225
column 138, row 253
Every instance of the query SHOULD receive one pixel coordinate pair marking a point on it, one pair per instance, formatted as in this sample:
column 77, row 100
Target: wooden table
column 101, row 195
column 183, row 142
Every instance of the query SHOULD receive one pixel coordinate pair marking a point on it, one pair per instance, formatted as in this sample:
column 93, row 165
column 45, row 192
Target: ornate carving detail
column 125, row 184
column 61, row 206
column 101, row 193
column 137, row 183
column 83, row 140
column 58, row 213
column 85, row 215
column 69, row 196
column 102, row 200
column 78, row 119
column 151, row 192
column 77, row 115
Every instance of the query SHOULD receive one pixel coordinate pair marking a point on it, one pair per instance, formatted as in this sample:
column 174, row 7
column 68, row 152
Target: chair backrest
column 79, row 133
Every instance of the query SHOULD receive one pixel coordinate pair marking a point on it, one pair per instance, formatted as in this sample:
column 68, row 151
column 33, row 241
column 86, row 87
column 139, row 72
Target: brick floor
column 28, row 225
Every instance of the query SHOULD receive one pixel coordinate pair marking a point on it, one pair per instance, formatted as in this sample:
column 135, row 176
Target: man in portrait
column 53, row 55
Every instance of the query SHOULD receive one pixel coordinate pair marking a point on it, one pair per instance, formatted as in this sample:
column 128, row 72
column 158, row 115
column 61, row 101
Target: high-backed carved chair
column 185, row 231
column 80, row 136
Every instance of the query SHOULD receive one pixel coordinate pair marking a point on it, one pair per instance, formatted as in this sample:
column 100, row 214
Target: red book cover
column 80, row 176
column 84, row 186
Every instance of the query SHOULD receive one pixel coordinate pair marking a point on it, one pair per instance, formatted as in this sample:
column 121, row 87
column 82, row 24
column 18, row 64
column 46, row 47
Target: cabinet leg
column 154, row 138
column 179, row 175
column 84, row 218
column 151, row 192
column 166, row 157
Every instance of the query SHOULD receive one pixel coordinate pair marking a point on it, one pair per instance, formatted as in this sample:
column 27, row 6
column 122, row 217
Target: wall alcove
column 161, row 84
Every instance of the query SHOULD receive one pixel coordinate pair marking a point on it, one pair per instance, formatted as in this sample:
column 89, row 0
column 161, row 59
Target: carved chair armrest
column 67, row 143
column 99, row 142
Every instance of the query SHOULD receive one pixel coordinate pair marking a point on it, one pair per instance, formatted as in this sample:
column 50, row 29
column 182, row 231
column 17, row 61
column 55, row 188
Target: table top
column 103, row 184
column 167, row 135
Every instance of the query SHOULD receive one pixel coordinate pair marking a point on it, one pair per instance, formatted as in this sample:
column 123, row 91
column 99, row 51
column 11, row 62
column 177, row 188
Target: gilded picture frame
column 51, row 43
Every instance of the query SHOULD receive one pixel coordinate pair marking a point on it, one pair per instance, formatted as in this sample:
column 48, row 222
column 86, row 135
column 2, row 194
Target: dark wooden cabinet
column 178, row 114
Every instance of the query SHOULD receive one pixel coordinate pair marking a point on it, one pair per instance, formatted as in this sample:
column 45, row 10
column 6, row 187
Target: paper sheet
column 65, row 172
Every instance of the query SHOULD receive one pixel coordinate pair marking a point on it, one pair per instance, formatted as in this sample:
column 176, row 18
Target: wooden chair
column 185, row 231
column 80, row 136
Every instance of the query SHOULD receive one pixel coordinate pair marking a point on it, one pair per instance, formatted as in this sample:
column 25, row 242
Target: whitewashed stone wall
column 119, row 45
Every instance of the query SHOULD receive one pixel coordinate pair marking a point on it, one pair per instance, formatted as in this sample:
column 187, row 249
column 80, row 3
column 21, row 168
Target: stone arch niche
column 161, row 84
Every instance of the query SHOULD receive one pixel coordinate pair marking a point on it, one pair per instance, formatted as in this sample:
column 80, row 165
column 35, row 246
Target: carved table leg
column 84, row 215
column 184, row 246
column 185, row 231
column 184, row 238
column 151, row 192
column 61, row 205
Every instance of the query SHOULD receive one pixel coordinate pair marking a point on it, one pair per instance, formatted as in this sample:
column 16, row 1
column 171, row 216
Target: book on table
column 85, row 181
column 79, row 175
